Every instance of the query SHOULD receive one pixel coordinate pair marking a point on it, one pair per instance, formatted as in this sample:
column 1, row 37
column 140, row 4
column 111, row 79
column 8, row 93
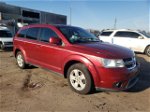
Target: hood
column 6, row 39
column 106, row 50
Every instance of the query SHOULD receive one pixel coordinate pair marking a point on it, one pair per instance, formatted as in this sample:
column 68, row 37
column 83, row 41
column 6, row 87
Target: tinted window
column 77, row 35
column 46, row 33
column 32, row 33
column 22, row 33
column 106, row 33
column 146, row 34
column 127, row 34
column 5, row 33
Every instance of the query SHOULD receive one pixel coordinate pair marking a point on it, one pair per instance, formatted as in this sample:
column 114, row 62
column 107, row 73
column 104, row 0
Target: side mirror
column 141, row 37
column 54, row 40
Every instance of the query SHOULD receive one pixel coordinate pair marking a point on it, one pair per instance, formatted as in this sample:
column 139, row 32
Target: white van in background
column 135, row 40
column 6, row 38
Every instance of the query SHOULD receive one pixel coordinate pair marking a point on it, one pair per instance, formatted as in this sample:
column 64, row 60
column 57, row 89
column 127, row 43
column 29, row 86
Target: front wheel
column 147, row 51
column 2, row 46
column 80, row 79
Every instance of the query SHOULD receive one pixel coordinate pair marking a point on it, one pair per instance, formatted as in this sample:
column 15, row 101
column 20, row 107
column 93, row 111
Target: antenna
column 115, row 24
column 70, row 15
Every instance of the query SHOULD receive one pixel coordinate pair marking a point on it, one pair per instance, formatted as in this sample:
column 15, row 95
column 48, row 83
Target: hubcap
column 20, row 60
column 77, row 79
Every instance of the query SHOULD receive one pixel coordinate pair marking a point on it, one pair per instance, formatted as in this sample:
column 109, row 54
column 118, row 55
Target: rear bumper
column 118, row 79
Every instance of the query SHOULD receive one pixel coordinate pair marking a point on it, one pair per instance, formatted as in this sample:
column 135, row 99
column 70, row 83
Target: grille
column 130, row 63
column 8, row 43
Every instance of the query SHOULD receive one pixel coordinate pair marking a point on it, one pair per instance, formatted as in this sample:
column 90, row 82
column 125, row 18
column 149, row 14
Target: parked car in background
column 78, row 55
column 135, row 40
column 6, row 38
column 94, row 32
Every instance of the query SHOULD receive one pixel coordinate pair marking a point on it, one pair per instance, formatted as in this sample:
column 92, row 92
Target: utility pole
column 115, row 23
column 70, row 15
column 0, row 16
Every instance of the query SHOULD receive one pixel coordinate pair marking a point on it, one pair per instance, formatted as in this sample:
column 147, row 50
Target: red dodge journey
column 79, row 56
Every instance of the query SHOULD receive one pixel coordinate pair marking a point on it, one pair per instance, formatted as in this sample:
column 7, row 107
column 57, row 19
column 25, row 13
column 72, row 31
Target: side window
column 121, row 34
column 22, row 33
column 133, row 35
column 46, row 33
column 127, row 34
column 32, row 33
column 106, row 33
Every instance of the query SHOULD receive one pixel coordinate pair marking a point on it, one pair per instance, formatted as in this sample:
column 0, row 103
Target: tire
column 80, row 79
column 147, row 51
column 2, row 46
column 20, row 60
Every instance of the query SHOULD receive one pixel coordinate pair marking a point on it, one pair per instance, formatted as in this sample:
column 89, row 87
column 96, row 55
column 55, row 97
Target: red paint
column 55, row 57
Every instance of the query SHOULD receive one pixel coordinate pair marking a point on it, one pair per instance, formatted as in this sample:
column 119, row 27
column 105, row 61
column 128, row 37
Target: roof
column 119, row 30
column 55, row 25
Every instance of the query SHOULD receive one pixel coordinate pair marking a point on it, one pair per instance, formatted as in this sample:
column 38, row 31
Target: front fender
column 87, row 63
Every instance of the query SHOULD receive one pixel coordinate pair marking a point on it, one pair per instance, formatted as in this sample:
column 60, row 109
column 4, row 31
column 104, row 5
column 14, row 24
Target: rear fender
column 22, row 51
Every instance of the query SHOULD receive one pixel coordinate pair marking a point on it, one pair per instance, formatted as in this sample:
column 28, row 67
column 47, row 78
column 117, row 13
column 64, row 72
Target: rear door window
column 127, row 34
column 5, row 34
column 106, row 33
column 46, row 33
column 32, row 33
column 22, row 33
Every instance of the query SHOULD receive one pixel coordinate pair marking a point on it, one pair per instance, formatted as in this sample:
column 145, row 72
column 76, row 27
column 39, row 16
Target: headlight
column 133, row 53
column 112, row 63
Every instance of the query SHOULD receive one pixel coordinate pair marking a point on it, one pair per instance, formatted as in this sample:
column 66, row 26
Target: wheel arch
column 80, row 59
column 145, row 51
column 16, row 51
column 146, row 48
column 68, row 64
column 22, row 51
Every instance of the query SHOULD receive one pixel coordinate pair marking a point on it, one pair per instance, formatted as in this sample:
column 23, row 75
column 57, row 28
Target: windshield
column 145, row 34
column 77, row 35
column 5, row 33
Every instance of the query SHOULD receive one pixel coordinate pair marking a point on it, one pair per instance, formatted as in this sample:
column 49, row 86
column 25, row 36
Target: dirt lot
column 54, row 94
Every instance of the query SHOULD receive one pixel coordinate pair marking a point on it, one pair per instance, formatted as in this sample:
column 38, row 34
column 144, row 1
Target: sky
column 96, row 14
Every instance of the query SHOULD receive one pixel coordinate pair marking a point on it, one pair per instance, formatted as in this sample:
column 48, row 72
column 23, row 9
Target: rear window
column 32, row 33
column 5, row 34
column 106, row 33
column 22, row 33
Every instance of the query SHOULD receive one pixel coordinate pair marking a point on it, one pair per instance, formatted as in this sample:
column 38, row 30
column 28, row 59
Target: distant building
column 15, row 16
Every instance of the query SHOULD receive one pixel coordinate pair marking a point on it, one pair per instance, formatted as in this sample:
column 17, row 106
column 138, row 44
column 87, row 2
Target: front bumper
column 7, row 44
column 118, row 79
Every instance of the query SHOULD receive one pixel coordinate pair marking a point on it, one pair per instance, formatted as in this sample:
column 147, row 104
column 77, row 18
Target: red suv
column 81, row 57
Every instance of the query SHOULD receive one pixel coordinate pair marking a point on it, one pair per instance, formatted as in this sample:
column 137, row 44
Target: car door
column 137, row 41
column 106, row 36
column 31, row 45
column 49, row 55
column 122, row 38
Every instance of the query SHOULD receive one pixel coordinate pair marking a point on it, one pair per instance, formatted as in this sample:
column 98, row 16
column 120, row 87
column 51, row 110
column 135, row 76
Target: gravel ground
column 35, row 89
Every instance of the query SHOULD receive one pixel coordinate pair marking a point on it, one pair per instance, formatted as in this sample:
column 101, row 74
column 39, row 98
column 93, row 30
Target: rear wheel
column 147, row 51
column 20, row 60
column 80, row 79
